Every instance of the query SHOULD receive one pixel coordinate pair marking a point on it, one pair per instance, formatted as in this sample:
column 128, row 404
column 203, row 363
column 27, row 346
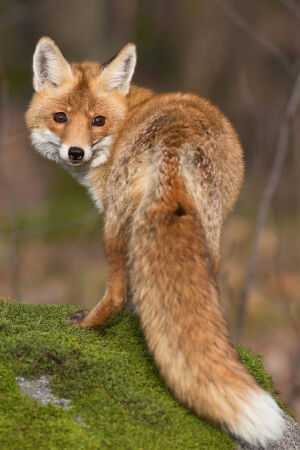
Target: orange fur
column 173, row 173
column 176, row 168
column 172, row 254
column 82, row 100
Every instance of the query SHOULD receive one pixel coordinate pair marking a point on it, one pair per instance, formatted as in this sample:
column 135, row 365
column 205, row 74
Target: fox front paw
column 77, row 317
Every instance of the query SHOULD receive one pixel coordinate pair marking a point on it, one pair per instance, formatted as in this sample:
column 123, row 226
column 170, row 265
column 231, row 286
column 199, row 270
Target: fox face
column 77, row 108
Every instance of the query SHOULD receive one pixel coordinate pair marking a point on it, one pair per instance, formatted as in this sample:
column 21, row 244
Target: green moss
column 108, row 376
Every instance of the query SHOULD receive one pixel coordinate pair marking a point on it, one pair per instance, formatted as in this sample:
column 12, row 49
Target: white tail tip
column 260, row 421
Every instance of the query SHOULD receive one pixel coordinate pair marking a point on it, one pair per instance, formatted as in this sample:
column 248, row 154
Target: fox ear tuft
column 49, row 65
column 118, row 71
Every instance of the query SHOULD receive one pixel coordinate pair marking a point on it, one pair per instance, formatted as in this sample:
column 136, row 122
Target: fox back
column 210, row 160
column 176, row 171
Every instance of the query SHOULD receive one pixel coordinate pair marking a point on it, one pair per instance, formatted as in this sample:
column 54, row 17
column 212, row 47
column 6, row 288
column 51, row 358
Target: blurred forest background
column 244, row 56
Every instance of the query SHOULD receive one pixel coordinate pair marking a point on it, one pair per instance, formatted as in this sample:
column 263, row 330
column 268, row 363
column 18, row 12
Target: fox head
column 77, row 108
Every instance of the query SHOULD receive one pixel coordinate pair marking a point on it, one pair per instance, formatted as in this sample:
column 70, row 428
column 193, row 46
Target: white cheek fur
column 50, row 146
column 101, row 151
column 46, row 142
column 95, row 197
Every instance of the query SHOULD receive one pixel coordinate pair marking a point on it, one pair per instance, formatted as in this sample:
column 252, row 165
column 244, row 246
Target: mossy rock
column 108, row 376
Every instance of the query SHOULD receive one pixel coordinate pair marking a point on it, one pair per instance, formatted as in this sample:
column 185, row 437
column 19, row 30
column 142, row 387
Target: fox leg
column 114, row 298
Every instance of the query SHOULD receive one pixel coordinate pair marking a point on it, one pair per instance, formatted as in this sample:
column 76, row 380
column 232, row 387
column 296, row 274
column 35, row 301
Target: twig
column 280, row 290
column 15, row 259
column 281, row 151
column 294, row 362
column 294, row 376
column 292, row 6
column 240, row 22
column 258, row 118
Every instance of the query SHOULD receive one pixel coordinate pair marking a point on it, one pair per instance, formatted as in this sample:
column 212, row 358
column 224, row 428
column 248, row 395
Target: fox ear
column 118, row 71
column 49, row 65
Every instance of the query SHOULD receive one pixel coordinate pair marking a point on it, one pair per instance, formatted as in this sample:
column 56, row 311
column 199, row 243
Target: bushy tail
column 176, row 297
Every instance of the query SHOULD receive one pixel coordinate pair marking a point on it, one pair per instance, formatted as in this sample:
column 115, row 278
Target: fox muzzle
column 76, row 153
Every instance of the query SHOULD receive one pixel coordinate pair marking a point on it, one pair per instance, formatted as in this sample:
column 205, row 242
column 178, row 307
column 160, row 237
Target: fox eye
column 98, row 121
column 60, row 117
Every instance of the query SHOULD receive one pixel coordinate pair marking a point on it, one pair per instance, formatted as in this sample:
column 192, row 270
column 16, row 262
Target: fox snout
column 75, row 153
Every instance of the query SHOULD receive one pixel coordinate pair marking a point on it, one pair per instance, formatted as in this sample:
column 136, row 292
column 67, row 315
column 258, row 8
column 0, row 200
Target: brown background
column 244, row 56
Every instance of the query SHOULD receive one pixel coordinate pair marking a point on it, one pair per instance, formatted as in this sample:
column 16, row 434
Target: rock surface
column 60, row 386
column 290, row 441
column 39, row 389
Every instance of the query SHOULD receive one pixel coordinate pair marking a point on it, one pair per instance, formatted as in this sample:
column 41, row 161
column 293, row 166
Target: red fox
column 166, row 170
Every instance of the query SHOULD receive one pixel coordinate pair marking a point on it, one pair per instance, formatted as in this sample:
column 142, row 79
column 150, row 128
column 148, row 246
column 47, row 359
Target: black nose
column 76, row 153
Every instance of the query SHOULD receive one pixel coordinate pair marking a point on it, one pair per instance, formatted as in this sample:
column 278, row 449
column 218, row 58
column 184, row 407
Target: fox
column 165, row 170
